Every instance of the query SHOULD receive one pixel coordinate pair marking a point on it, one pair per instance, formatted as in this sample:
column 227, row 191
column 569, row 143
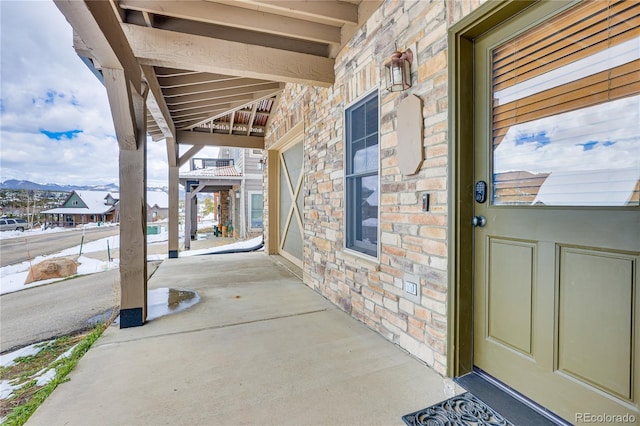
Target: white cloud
column 44, row 85
column 600, row 137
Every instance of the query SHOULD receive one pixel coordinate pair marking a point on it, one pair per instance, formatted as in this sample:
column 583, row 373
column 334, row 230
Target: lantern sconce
column 260, row 164
column 397, row 71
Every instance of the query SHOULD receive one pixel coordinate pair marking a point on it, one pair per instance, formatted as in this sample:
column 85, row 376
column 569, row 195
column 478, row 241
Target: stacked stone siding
column 411, row 241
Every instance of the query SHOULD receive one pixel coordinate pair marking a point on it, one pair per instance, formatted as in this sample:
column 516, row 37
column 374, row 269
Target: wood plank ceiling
column 219, row 66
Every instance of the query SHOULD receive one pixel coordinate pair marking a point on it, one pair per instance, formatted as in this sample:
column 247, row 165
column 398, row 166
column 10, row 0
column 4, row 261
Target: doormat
column 460, row 410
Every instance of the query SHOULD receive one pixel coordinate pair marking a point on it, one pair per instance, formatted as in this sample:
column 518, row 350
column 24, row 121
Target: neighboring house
column 157, row 205
column 82, row 207
column 235, row 180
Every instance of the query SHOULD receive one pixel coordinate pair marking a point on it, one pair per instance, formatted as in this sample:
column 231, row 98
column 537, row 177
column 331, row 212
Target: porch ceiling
column 215, row 66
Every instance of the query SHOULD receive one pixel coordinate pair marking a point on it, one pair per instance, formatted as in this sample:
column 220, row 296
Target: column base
column 173, row 254
column 131, row 317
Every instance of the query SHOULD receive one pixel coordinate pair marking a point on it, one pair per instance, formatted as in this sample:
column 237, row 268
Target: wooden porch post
column 129, row 115
column 187, row 216
column 173, row 211
column 194, row 214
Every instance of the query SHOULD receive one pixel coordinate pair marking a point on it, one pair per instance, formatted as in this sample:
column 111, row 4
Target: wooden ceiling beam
column 169, row 49
column 184, row 158
column 213, row 102
column 237, row 106
column 194, row 78
column 219, row 139
column 241, row 36
column 212, row 87
column 332, row 10
column 148, row 19
column 255, row 91
column 100, row 30
column 252, row 117
column 247, row 19
column 184, row 123
column 202, row 111
column 156, row 104
column 163, row 72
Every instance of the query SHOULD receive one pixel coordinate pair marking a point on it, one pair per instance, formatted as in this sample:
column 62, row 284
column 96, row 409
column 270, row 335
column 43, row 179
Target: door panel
column 596, row 294
column 509, row 289
column 290, row 203
column 556, row 267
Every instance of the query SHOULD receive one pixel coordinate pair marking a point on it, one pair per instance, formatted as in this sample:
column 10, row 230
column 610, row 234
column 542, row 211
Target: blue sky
column 55, row 122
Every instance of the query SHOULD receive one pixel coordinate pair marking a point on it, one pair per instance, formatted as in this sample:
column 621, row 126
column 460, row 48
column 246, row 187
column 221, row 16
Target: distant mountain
column 31, row 186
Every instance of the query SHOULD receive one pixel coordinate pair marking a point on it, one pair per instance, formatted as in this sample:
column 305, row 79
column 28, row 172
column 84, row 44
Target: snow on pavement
column 7, row 235
column 12, row 277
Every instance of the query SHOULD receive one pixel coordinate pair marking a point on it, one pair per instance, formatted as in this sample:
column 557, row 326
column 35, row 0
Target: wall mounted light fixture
column 397, row 71
column 260, row 164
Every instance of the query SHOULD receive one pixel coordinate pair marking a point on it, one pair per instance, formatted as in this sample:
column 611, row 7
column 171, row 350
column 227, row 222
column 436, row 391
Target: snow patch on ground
column 12, row 277
column 7, row 360
column 42, row 377
column 7, row 235
column 240, row 245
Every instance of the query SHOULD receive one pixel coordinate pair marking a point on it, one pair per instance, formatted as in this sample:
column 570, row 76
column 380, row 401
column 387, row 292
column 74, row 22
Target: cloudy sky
column 55, row 121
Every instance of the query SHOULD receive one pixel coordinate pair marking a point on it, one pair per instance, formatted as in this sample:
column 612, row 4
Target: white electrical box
column 412, row 287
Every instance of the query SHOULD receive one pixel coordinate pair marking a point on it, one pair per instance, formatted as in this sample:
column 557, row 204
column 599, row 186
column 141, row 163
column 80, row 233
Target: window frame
column 250, row 194
column 350, row 243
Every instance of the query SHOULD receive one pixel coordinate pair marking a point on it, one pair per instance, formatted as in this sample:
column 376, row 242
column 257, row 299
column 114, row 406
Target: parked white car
column 7, row 224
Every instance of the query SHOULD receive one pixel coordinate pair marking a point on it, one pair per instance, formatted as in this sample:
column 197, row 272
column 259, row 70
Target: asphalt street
column 48, row 311
column 23, row 248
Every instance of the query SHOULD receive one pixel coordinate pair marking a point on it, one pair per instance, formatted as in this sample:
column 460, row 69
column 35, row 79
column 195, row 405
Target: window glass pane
column 293, row 240
column 566, row 111
column 367, row 222
column 293, row 161
column 256, row 210
column 372, row 116
column 357, row 123
column 284, row 201
column 359, row 158
column 372, row 152
column 362, row 181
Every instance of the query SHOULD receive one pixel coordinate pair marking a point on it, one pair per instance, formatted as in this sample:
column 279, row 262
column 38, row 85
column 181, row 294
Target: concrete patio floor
column 259, row 348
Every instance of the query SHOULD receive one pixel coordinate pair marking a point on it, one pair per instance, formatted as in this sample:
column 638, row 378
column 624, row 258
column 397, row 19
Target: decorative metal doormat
column 460, row 410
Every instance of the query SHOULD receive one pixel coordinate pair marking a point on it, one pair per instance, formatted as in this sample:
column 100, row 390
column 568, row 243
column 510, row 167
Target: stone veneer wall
column 411, row 241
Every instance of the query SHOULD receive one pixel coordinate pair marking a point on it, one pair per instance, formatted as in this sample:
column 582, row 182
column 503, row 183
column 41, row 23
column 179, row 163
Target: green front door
column 557, row 240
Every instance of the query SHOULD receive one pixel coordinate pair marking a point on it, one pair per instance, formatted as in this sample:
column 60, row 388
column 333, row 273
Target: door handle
column 478, row 221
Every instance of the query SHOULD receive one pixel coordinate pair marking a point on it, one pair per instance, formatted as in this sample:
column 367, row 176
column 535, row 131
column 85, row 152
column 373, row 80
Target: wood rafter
column 231, row 16
column 326, row 10
column 213, row 66
column 218, row 139
column 257, row 92
column 157, row 105
column 169, row 49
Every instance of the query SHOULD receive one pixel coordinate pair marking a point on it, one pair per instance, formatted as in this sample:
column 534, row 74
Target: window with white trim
column 256, row 206
column 362, row 181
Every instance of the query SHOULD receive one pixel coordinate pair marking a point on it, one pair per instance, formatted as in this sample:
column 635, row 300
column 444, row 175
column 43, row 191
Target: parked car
column 7, row 224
